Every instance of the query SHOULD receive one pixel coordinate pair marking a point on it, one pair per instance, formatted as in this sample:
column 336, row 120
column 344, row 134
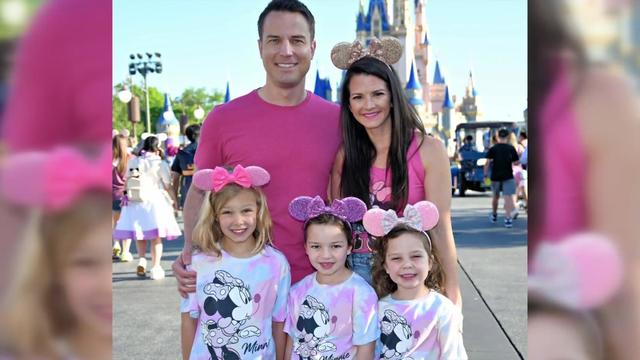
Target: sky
column 205, row 43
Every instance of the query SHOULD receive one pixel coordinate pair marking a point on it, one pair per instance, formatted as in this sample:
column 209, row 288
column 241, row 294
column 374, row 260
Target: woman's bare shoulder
column 606, row 100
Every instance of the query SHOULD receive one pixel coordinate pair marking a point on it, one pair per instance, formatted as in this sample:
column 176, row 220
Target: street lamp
column 133, row 108
column 125, row 94
column 144, row 66
column 198, row 113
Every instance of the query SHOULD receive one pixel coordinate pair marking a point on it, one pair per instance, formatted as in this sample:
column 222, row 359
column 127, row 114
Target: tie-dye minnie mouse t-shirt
column 236, row 300
column 429, row 328
column 327, row 322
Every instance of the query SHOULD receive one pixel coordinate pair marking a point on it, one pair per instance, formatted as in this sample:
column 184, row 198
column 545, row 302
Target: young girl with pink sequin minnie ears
column 416, row 320
column 58, row 304
column 239, row 306
column 332, row 312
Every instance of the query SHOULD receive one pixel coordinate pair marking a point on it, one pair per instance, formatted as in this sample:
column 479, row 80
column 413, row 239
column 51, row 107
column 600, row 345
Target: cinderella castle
column 439, row 111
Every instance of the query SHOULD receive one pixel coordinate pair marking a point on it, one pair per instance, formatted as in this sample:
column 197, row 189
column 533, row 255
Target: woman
column 387, row 160
column 121, row 157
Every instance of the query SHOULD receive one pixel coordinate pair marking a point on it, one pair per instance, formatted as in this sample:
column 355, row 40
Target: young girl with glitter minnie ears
column 332, row 312
column 387, row 159
column 239, row 306
column 58, row 304
column 416, row 321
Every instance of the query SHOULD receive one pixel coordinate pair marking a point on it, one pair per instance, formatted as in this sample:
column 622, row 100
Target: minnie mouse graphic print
column 429, row 328
column 329, row 321
column 235, row 302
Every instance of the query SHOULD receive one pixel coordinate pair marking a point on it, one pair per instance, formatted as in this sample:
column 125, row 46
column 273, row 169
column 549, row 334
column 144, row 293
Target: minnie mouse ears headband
column 215, row 179
column 580, row 272
column 53, row 180
column 161, row 136
column 123, row 132
column 349, row 209
column 421, row 216
column 388, row 50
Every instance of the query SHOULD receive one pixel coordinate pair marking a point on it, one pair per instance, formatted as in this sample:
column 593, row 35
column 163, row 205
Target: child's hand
column 186, row 279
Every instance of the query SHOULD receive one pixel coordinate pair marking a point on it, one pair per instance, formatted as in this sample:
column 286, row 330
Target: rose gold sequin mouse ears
column 388, row 50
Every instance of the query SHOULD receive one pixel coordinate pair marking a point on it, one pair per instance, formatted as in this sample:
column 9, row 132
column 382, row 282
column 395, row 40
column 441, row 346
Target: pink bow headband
column 421, row 216
column 388, row 50
column 580, row 272
column 217, row 178
column 349, row 209
column 53, row 180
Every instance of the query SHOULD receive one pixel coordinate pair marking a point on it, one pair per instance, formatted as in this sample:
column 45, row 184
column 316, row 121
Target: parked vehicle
column 467, row 170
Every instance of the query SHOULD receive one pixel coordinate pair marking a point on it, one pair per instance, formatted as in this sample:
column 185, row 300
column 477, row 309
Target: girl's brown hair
column 207, row 234
column 328, row 219
column 382, row 281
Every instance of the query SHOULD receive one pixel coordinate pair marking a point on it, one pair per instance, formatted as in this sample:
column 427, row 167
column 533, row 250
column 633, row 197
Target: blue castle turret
column 414, row 89
column 361, row 21
column 167, row 118
column 227, row 94
column 437, row 77
column 382, row 9
column 322, row 87
column 447, row 104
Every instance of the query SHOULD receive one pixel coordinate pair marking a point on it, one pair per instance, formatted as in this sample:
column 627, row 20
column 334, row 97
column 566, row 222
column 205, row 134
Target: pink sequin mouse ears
column 53, row 180
column 580, row 272
column 421, row 216
column 349, row 209
column 217, row 178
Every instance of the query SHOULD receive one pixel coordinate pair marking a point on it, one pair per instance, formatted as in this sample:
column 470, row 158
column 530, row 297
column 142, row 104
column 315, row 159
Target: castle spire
column 412, row 83
column 437, row 77
column 414, row 90
column 227, row 94
column 447, row 104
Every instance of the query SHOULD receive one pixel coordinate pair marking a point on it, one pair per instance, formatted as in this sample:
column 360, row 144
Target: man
column 281, row 127
column 500, row 158
column 183, row 166
column 468, row 144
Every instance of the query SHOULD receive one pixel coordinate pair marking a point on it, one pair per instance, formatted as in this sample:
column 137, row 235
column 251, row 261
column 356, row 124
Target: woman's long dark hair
column 359, row 152
column 152, row 144
column 549, row 35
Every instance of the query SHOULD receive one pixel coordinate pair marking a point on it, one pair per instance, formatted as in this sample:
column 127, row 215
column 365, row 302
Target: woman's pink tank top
column 563, row 163
column 380, row 185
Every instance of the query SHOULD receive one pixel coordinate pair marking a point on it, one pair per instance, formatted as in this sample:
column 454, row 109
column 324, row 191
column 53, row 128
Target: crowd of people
column 148, row 190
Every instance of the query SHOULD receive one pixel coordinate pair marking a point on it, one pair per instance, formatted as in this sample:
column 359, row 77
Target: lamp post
column 133, row 108
column 144, row 66
column 198, row 113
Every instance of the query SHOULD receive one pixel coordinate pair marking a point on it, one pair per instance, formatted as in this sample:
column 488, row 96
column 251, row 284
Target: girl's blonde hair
column 120, row 153
column 207, row 234
column 382, row 281
column 34, row 312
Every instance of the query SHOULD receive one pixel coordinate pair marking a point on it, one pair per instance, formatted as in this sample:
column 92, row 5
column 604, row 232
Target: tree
column 191, row 98
column 186, row 103
column 156, row 104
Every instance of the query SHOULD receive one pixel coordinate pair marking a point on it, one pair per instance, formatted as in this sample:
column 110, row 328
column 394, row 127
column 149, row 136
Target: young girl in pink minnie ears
column 58, row 305
column 332, row 312
column 239, row 306
column 416, row 321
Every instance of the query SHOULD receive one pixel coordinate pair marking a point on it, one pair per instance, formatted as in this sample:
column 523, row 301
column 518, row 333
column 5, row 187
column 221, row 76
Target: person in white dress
column 147, row 214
